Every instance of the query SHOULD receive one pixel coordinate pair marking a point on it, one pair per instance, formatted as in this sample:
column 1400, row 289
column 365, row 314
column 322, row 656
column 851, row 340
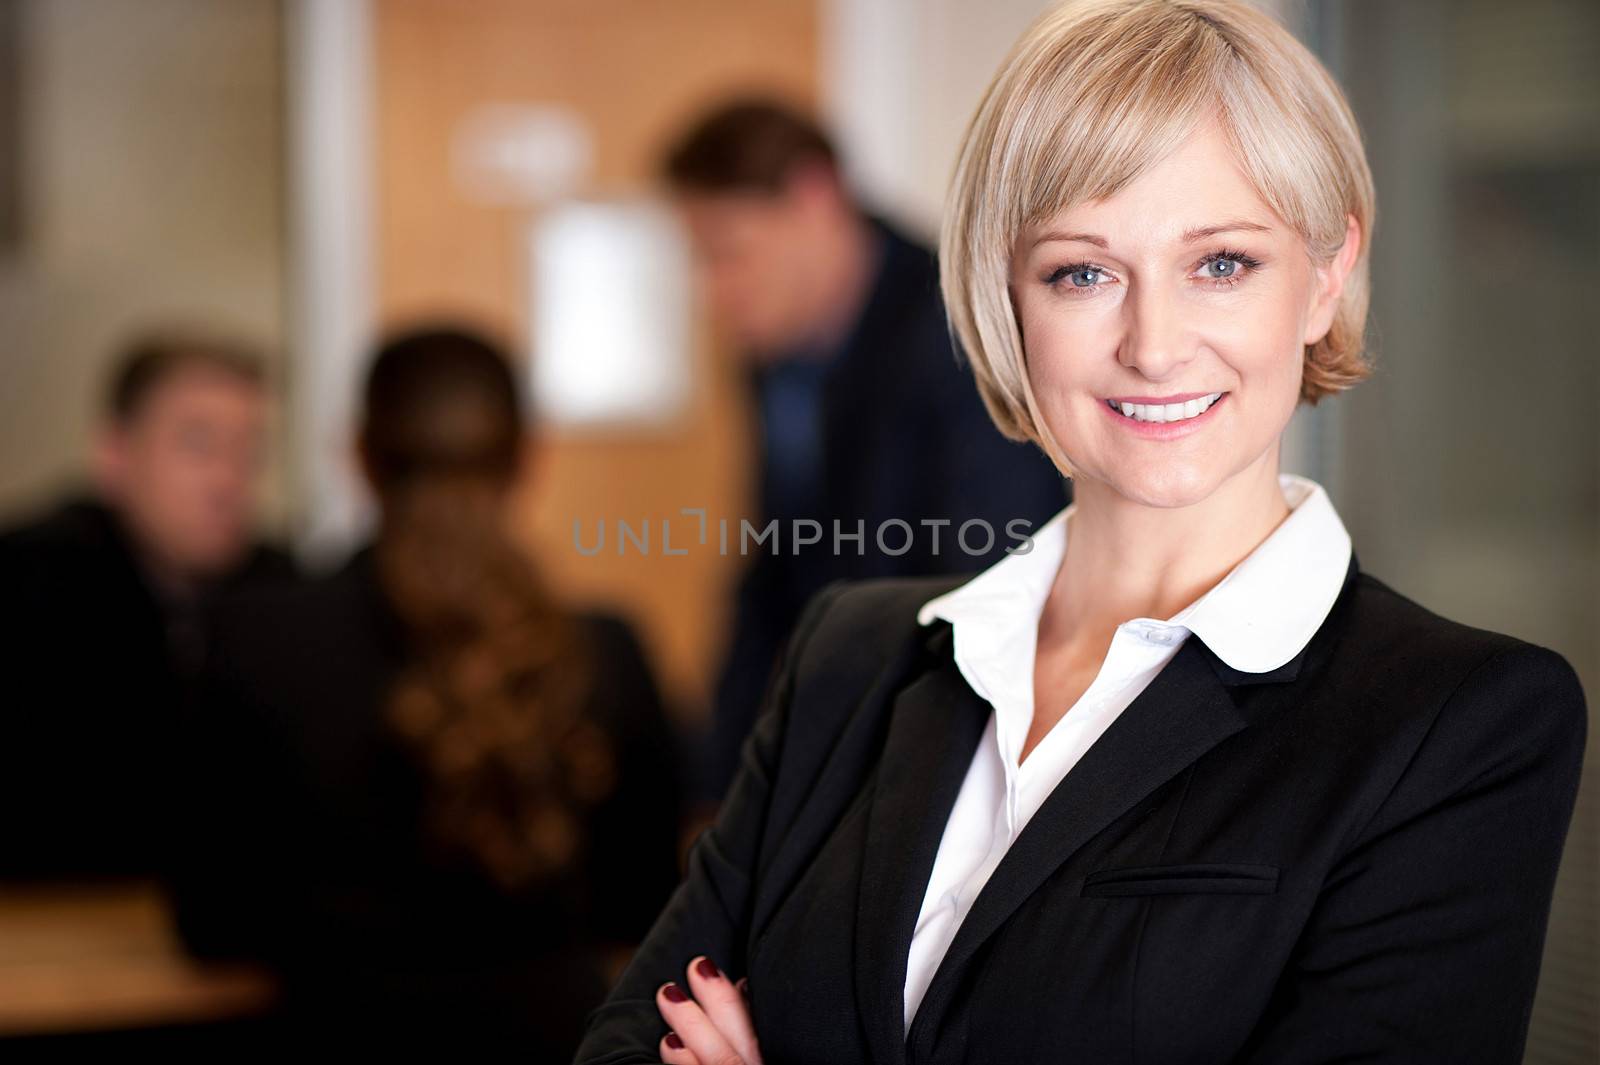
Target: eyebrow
column 1189, row 236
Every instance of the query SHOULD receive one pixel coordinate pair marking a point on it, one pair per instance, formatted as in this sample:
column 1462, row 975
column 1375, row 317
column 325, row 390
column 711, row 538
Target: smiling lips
column 1175, row 409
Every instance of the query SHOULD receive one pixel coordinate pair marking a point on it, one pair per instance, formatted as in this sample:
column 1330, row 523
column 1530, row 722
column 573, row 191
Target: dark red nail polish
column 673, row 1041
column 706, row 969
column 674, row 993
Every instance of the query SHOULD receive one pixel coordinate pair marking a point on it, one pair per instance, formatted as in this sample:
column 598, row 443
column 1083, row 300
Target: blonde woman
column 1182, row 783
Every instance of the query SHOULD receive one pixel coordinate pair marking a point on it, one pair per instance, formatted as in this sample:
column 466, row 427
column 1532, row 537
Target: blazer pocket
column 1221, row 878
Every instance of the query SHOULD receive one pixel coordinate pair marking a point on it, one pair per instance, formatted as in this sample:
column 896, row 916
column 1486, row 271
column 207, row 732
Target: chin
column 759, row 333
column 215, row 556
column 1167, row 487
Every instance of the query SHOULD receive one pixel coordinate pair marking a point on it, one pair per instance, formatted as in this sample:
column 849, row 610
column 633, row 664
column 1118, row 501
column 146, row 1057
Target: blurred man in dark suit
column 853, row 372
column 104, row 614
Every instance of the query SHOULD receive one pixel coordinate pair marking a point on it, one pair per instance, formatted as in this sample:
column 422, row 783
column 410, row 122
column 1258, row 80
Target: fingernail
column 673, row 993
column 706, row 969
column 673, row 1041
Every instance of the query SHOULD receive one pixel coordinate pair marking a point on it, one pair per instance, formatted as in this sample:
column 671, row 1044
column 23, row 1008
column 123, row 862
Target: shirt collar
column 1257, row 618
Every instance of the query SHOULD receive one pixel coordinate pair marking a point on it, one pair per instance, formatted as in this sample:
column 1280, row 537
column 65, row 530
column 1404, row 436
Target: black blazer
column 1350, row 858
column 96, row 663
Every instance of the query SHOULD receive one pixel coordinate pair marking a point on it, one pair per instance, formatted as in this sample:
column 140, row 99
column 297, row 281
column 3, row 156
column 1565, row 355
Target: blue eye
column 1081, row 275
column 1227, row 266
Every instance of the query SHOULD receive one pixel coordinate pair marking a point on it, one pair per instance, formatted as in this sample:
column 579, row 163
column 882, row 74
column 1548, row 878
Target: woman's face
column 1182, row 287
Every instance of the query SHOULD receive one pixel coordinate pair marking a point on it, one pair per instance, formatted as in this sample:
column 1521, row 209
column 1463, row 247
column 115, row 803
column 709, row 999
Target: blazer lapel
column 1184, row 712
column 934, row 728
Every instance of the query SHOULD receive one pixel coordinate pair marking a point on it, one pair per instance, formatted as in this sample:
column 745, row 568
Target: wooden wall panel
column 634, row 70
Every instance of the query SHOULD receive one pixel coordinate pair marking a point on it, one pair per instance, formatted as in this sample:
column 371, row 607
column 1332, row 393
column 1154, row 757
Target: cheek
column 724, row 281
column 1257, row 333
column 1061, row 345
column 753, row 287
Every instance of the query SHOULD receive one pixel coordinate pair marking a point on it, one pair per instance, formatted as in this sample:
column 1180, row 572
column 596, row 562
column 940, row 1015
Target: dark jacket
column 1350, row 858
column 904, row 436
column 307, row 848
column 96, row 665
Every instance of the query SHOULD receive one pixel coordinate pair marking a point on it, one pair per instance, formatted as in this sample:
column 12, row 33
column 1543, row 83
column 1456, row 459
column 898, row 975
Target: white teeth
column 1166, row 412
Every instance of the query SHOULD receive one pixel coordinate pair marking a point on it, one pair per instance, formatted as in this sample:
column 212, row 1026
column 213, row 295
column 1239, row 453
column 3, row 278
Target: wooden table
column 81, row 958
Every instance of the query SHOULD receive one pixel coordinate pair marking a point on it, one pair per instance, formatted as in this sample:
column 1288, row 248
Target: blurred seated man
column 103, row 617
column 437, row 800
column 853, row 372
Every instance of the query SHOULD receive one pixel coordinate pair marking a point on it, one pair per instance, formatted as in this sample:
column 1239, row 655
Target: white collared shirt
column 1258, row 617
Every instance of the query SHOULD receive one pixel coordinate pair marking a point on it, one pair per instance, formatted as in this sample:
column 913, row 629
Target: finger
column 674, row 1052
column 727, row 1008
column 685, row 1017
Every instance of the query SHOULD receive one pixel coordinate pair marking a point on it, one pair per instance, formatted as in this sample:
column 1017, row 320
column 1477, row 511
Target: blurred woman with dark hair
column 438, row 801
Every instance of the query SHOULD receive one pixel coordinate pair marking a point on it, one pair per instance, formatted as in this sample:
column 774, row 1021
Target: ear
column 108, row 457
column 1331, row 277
column 521, row 496
column 359, row 458
column 814, row 184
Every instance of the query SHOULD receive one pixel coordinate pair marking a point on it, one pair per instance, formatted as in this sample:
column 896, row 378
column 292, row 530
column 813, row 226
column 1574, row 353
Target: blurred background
column 306, row 175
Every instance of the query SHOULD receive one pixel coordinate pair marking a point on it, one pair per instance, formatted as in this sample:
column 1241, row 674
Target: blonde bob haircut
column 1096, row 92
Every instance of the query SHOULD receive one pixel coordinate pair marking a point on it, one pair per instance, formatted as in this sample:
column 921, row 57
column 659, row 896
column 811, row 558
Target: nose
column 1154, row 340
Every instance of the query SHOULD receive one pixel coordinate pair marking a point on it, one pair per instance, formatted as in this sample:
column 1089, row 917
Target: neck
column 171, row 582
column 1126, row 560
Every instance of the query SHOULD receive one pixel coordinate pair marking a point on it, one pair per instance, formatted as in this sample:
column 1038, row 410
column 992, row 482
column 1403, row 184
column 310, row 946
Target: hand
column 713, row 1026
